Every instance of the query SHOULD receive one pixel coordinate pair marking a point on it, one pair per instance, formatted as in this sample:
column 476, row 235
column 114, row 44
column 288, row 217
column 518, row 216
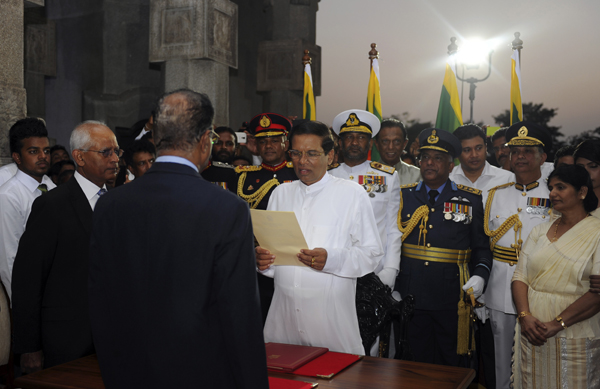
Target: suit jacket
column 172, row 285
column 50, row 305
column 436, row 285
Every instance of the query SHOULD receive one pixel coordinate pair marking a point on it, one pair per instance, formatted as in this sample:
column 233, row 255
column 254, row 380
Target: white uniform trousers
column 503, row 329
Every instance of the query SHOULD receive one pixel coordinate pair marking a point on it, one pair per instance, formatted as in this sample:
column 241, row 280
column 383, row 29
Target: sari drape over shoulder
column 557, row 274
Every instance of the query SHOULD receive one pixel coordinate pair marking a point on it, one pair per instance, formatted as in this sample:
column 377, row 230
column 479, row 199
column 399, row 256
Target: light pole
column 453, row 49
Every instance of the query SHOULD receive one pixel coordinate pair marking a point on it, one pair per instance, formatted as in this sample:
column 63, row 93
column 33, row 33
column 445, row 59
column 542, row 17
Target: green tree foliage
column 577, row 139
column 413, row 126
column 536, row 113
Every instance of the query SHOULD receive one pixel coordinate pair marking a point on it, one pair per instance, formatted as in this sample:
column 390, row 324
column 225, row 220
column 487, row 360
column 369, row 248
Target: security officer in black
column 443, row 244
column 219, row 170
column 255, row 184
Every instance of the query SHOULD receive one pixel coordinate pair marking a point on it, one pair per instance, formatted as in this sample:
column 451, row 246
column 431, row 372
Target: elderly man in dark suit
column 49, row 281
column 172, row 284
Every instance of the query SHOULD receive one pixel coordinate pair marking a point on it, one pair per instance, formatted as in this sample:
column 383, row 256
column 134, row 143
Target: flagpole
column 517, row 44
column 373, row 54
column 306, row 60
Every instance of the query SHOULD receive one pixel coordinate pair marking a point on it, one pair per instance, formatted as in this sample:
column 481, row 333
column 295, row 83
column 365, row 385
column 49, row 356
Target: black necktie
column 43, row 188
column 432, row 195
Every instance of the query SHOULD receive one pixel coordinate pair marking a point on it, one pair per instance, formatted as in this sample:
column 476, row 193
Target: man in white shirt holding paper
column 314, row 304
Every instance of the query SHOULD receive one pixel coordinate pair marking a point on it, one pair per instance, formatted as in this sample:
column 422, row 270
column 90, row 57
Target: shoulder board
column 468, row 189
column 221, row 164
column 383, row 167
column 248, row 168
column 409, row 185
column 502, row 186
column 290, row 165
column 333, row 166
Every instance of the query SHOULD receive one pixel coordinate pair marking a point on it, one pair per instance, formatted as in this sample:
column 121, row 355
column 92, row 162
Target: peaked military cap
column 527, row 133
column 269, row 124
column 356, row 120
column 440, row 140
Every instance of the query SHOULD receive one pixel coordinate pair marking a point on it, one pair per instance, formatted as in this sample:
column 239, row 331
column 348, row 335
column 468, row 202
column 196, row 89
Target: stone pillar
column 12, row 93
column 40, row 58
column 280, row 69
column 197, row 41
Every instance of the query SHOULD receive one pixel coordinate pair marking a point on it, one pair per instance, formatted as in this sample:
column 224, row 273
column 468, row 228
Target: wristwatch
column 562, row 323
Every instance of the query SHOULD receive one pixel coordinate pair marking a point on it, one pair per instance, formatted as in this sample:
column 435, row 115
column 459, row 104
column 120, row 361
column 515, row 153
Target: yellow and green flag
column 374, row 94
column 516, row 108
column 308, row 109
column 449, row 115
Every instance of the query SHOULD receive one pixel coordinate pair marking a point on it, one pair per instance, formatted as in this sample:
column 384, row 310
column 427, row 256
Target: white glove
column 482, row 313
column 477, row 283
column 388, row 276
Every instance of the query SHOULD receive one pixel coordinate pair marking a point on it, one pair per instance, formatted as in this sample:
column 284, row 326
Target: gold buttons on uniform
column 519, row 209
column 432, row 209
column 497, row 216
column 430, row 226
column 428, row 244
column 351, row 177
column 543, row 216
column 511, row 264
column 524, row 194
column 426, row 263
column 408, row 215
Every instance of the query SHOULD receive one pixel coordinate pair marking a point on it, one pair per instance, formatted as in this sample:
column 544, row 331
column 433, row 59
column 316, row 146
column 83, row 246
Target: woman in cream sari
column 557, row 341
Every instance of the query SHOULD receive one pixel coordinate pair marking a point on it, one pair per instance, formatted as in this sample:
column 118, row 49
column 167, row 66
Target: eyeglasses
column 296, row 155
column 107, row 153
column 214, row 137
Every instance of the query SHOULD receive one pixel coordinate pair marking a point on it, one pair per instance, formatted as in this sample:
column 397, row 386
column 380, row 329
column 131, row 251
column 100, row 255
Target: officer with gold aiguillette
column 511, row 212
column 254, row 184
column 443, row 243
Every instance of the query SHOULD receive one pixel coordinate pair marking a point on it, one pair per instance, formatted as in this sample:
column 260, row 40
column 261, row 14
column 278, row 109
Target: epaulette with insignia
column 247, row 168
column 222, row 164
column 383, row 167
column 333, row 166
column 502, row 186
column 469, row 189
column 409, row 185
column 290, row 165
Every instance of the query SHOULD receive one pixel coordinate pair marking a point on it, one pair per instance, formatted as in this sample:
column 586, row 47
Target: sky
column 560, row 59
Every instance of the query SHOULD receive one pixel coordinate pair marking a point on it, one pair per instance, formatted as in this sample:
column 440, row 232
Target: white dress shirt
column 385, row 200
column 7, row 172
column 490, row 177
column 89, row 189
column 16, row 198
column 318, row 308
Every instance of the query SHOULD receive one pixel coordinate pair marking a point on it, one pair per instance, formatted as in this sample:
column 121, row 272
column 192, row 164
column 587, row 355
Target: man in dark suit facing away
column 172, row 283
column 49, row 281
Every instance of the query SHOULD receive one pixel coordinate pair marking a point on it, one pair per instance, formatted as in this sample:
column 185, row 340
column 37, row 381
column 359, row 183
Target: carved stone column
column 12, row 93
column 280, row 70
column 197, row 41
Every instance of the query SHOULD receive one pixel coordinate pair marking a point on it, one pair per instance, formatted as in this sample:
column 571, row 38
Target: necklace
column 556, row 229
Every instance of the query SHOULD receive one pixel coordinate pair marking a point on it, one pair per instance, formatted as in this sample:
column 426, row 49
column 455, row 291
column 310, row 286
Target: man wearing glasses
column 255, row 184
column 50, row 274
column 314, row 303
column 356, row 128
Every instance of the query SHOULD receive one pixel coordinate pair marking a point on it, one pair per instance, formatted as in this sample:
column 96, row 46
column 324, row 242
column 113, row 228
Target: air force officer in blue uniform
column 445, row 253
